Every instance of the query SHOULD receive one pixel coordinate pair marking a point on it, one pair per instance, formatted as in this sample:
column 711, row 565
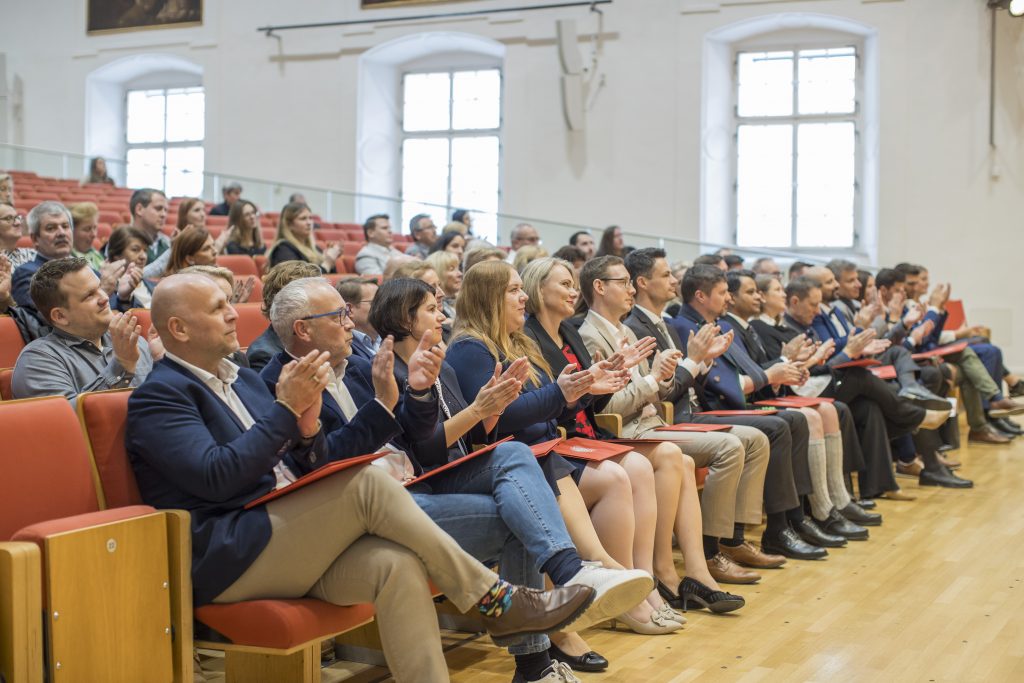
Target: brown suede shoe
column 898, row 494
column 1005, row 407
column 951, row 463
column 749, row 555
column 724, row 570
column 534, row 612
column 986, row 435
column 909, row 469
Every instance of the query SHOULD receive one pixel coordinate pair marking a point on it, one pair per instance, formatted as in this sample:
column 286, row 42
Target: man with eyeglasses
column 766, row 265
column 358, row 293
column 424, row 234
column 10, row 233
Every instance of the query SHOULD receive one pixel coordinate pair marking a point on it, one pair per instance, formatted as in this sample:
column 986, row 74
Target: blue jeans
column 500, row 507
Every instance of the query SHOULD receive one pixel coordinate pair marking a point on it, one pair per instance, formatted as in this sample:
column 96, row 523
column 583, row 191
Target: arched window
column 429, row 128
column 790, row 134
column 150, row 110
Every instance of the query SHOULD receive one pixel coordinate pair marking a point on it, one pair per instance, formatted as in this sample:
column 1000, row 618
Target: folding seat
column 11, row 342
column 250, row 323
column 239, row 264
column 352, row 248
column 6, row 374
column 261, row 261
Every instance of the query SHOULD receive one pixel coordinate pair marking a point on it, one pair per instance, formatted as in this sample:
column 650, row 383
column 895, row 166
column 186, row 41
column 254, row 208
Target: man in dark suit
column 356, row 536
column 787, row 476
column 232, row 191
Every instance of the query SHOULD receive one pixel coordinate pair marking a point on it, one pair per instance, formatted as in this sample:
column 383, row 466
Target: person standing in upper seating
column 90, row 348
column 244, row 234
column 294, row 241
column 83, row 218
column 98, row 172
column 231, row 192
column 354, row 537
column 372, row 259
column 265, row 346
column 358, row 293
column 424, row 234
column 149, row 213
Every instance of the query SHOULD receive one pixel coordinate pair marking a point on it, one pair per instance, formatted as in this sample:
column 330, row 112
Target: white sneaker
column 617, row 591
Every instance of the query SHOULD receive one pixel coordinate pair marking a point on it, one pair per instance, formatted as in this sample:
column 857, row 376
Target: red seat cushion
column 11, row 342
column 36, row 533
column 281, row 624
column 104, row 416
column 701, row 474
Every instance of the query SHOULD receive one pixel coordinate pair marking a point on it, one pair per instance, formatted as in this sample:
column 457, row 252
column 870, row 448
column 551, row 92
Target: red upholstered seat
column 282, row 624
column 250, row 323
column 261, row 263
column 103, row 415
column 143, row 317
column 6, row 375
column 37, row 533
column 239, row 264
column 701, row 474
column 11, row 342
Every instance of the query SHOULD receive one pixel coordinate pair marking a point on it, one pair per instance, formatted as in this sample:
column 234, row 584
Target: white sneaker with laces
column 617, row 591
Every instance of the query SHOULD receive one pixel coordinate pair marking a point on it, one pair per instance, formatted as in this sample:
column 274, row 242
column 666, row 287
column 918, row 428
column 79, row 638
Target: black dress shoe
column 858, row 515
column 696, row 595
column 789, row 544
column 919, row 396
column 866, row 504
column 1008, row 427
column 812, row 533
column 589, row 661
column 1017, row 389
column 943, row 477
column 946, row 448
column 838, row 525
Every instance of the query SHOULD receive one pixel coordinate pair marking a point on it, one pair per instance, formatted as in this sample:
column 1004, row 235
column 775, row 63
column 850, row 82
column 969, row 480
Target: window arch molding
column 717, row 211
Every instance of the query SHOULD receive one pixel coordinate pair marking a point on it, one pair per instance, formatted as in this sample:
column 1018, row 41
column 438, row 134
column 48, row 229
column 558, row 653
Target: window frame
column 450, row 133
column 795, row 119
column 165, row 145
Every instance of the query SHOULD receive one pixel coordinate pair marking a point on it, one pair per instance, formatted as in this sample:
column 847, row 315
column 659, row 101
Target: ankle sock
column 562, row 566
column 737, row 536
column 834, row 472
column 533, row 665
column 821, row 503
column 496, row 600
column 796, row 515
column 710, row 547
column 776, row 524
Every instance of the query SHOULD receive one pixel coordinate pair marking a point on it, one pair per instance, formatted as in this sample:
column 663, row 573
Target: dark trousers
column 875, row 477
column 901, row 417
column 853, row 456
column 901, row 360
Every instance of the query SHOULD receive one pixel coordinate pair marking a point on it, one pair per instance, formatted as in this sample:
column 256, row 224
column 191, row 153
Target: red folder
column 795, row 401
column 632, row 442
column 730, row 413
column 955, row 316
column 687, row 427
column 455, row 463
column 859, row 363
column 590, row 449
column 314, row 476
column 543, row 448
column 884, row 372
column 941, row 351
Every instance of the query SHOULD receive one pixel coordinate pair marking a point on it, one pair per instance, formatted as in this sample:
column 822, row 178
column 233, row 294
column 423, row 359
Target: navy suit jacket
column 263, row 348
column 361, row 350
column 372, row 426
column 190, row 452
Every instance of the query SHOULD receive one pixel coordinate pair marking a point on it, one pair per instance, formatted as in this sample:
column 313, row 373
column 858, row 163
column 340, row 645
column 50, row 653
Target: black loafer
column 943, row 477
column 812, row 533
column 789, row 544
column 838, row 525
column 1006, row 426
column 866, row 504
column 589, row 661
column 857, row 515
column 920, row 396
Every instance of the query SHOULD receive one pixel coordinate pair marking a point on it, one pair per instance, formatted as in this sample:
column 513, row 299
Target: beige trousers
column 358, row 536
column 734, row 488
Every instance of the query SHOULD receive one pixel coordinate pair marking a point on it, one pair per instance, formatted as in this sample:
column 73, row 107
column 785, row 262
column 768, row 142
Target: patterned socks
column 496, row 600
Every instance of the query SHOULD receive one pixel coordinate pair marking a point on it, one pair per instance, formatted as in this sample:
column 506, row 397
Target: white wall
column 286, row 108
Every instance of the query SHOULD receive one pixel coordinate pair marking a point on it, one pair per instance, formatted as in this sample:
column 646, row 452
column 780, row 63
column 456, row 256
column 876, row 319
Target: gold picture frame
column 118, row 16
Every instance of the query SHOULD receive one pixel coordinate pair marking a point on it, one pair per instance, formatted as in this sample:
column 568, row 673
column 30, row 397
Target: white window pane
column 145, row 116
column 426, row 102
column 764, row 186
column 475, row 180
column 765, row 83
column 146, row 168
column 425, row 171
column 827, row 81
column 184, row 171
column 476, row 99
column 825, row 184
column 185, row 114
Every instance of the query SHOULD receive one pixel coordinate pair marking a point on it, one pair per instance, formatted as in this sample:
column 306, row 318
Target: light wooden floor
column 935, row 595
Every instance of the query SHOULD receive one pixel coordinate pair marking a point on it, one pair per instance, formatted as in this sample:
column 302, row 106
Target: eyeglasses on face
column 341, row 314
column 623, row 280
column 13, row 220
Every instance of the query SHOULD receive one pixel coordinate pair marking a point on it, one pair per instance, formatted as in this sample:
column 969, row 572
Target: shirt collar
column 601, row 321
column 654, row 318
column 227, row 372
column 69, row 339
column 764, row 317
column 363, row 337
column 337, row 371
column 742, row 323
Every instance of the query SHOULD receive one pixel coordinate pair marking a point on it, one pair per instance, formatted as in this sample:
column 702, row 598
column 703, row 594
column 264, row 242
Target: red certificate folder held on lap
column 729, row 413
column 544, row 447
column 686, row 427
column 859, row 363
column 458, row 461
column 941, row 351
column 314, row 476
column 590, row 449
column 884, row 372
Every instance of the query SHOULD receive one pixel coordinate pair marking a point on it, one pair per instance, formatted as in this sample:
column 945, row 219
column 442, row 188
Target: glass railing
column 344, row 206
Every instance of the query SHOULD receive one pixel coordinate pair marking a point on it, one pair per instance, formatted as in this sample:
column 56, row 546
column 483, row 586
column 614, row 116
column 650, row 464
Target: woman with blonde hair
column 446, row 265
column 244, row 235
column 526, row 255
column 294, row 240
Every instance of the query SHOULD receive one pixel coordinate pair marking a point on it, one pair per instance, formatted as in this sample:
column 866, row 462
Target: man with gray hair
column 231, row 192
column 766, row 265
column 522, row 235
column 424, row 234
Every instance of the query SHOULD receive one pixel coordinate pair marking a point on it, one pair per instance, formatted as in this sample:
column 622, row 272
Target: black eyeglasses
column 341, row 314
column 614, row 279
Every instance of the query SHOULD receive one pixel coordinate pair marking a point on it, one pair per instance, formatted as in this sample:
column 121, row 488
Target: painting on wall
column 109, row 16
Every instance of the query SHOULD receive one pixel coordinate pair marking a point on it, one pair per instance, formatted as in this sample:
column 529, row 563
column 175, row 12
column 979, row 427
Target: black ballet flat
column 589, row 661
column 696, row 595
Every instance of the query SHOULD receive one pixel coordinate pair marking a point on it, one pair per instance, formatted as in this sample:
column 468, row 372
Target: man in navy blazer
column 206, row 436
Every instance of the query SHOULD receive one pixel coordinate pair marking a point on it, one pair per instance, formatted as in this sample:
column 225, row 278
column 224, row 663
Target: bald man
column 206, row 436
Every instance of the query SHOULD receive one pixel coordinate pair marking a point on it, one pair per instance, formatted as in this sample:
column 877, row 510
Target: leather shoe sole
column 590, row 662
column 949, row 481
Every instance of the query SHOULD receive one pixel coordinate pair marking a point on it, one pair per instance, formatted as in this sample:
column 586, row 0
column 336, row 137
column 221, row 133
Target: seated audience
column 481, row 254
column 583, row 241
column 373, row 258
column 522, row 235
column 149, row 213
column 265, row 346
column 451, row 242
column 796, row 269
column 733, row 262
column 244, row 233
column 193, row 247
column 294, row 240
column 128, row 244
column 358, row 294
column 90, row 348
column 716, row 260
column 424, row 234
column 6, row 188
column 446, row 265
column 11, row 231
column 83, row 231
column 766, row 265
column 231, row 192
column 98, row 172
column 574, row 256
column 191, row 212
column 612, row 243
column 526, row 254
column 462, row 216
column 49, row 225
column 324, row 536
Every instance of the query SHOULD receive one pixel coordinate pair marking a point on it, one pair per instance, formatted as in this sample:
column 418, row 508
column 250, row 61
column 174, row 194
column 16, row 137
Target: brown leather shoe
column 898, row 494
column 535, row 612
column 951, row 463
column 986, row 435
column 749, row 555
column 1005, row 407
column 909, row 469
column 724, row 570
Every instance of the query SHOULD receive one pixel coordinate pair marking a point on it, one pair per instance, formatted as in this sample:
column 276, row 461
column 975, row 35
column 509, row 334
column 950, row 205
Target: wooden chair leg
column 256, row 667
